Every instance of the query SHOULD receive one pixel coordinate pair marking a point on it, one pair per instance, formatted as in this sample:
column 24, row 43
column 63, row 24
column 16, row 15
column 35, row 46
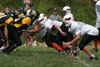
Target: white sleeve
column 98, row 16
column 76, row 29
column 49, row 25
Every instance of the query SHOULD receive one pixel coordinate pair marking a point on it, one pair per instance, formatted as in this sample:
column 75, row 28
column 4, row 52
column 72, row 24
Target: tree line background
column 83, row 10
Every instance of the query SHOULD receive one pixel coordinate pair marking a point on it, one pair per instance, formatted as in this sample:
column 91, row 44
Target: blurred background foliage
column 83, row 10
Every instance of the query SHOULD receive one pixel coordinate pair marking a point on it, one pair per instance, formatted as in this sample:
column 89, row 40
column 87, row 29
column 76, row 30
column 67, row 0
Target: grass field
column 39, row 57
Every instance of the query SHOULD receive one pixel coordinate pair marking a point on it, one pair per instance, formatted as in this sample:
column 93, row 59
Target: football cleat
column 67, row 50
column 62, row 52
column 2, row 48
column 93, row 58
column 94, row 50
column 76, row 52
column 6, row 54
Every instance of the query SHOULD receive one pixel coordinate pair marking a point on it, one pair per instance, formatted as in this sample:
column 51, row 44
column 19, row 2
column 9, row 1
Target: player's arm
column 36, row 29
column 24, row 27
column 6, row 34
column 59, row 29
column 75, row 39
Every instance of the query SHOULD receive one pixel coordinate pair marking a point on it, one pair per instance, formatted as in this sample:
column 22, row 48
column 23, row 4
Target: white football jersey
column 82, row 28
column 97, row 9
column 41, row 32
column 49, row 24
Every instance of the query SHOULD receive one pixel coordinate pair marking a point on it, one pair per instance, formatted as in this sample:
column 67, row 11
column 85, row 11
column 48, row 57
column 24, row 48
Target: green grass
column 39, row 57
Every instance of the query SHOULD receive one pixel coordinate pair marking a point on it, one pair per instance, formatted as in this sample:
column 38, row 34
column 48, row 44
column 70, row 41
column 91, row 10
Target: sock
column 92, row 55
column 56, row 46
column 1, row 43
column 63, row 47
column 95, row 44
column 11, row 48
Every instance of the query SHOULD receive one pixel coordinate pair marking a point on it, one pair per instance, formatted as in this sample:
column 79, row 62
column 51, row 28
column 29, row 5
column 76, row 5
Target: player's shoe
column 76, row 51
column 2, row 48
column 62, row 52
column 67, row 50
column 93, row 58
column 94, row 50
column 6, row 54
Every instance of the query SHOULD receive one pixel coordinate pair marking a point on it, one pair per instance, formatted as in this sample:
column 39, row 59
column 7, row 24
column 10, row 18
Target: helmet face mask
column 34, row 14
column 42, row 21
column 67, row 20
column 67, row 23
column 13, row 13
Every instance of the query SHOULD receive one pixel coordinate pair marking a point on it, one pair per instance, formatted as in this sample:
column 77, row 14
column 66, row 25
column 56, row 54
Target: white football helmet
column 42, row 15
column 96, row 0
column 67, row 19
column 42, row 20
column 66, row 10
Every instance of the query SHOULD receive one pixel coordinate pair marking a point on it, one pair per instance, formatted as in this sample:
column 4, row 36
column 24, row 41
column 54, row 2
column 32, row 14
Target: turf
column 38, row 57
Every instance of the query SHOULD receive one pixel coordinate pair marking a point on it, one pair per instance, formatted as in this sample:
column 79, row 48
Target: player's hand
column 28, row 30
column 68, row 43
column 71, row 53
column 64, row 33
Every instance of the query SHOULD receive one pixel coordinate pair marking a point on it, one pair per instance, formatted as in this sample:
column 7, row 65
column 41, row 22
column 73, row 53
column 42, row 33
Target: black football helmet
column 22, row 10
column 13, row 13
column 34, row 14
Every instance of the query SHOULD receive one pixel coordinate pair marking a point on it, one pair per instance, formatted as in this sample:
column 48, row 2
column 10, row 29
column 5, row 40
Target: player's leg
column 15, row 38
column 96, row 41
column 85, row 40
column 50, row 43
column 3, row 38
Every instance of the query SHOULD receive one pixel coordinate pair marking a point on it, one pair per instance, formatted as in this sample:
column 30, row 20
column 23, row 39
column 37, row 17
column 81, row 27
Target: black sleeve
column 2, row 21
column 53, row 27
column 24, row 27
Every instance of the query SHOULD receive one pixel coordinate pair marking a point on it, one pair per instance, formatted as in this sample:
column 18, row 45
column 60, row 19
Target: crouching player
column 20, row 25
column 55, row 37
column 4, row 20
column 79, row 29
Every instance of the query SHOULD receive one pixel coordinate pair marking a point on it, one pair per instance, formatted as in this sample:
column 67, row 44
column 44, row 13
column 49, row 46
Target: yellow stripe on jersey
column 8, row 21
column 26, row 20
column 20, row 15
column 3, row 24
